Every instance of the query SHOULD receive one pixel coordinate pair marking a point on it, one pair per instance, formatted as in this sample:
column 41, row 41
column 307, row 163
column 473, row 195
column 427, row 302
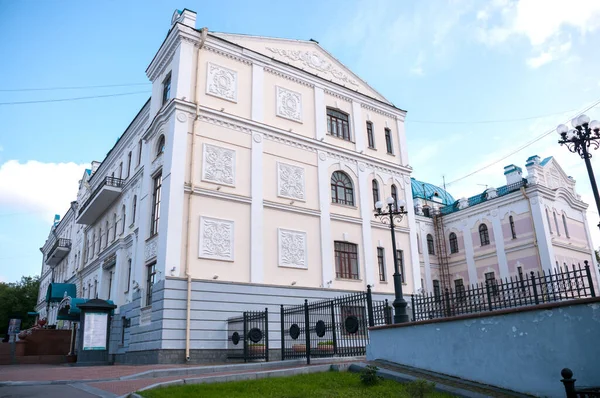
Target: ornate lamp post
column 579, row 139
column 395, row 211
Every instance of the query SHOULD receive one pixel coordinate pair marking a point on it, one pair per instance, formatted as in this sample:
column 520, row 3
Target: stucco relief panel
column 292, row 248
column 289, row 104
column 216, row 239
column 290, row 181
column 221, row 82
column 218, row 165
column 150, row 250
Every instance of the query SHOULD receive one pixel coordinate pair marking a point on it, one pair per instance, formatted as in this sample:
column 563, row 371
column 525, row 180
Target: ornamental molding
column 227, row 54
column 216, row 239
column 218, row 165
column 292, row 248
column 150, row 250
column 316, row 61
column 157, row 164
column 376, row 110
column 286, row 76
column 337, row 95
column 223, row 123
column 221, row 82
column 289, row 104
column 290, row 181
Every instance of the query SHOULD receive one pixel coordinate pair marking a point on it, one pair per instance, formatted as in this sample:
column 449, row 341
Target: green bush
column 322, row 343
column 420, row 388
column 368, row 376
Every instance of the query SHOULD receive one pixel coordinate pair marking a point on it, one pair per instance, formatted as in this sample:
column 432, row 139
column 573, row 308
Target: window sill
column 372, row 148
column 390, row 154
column 152, row 236
column 346, row 206
column 348, row 280
column 340, row 138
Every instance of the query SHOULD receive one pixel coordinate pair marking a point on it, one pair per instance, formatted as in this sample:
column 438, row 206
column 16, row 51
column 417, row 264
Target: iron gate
column 336, row 327
column 248, row 336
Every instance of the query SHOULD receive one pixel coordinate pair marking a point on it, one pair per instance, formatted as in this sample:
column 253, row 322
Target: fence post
column 333, row 328
column 282, row 335
column 447, row 297
column 589, row 277
column 412, row 303
column 370, row 307
column 569, row 382
column 307, row 330
column 245, row 337
column 266, row 334
column 489, row 296
column 535, row 293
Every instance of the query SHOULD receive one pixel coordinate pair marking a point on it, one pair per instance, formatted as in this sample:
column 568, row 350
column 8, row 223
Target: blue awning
column 58, row 291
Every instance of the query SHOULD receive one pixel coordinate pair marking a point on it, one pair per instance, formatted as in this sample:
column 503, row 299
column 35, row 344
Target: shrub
column 420, row 388
column 368, row 376
column 322, row 343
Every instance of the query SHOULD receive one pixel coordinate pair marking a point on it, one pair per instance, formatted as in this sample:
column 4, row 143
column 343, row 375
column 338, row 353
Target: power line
column 72, row 87
column 72, row 99
column 488, row 121
column 523, row 146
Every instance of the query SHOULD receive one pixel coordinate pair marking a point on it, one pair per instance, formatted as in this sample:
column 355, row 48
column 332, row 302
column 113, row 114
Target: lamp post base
column 400, row 314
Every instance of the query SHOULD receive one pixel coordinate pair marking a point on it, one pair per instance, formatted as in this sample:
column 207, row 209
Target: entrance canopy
column 58, row 291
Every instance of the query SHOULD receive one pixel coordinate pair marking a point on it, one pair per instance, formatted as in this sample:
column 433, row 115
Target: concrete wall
column 521, row 350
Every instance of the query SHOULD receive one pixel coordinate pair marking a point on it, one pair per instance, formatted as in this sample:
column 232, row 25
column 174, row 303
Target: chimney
column 534, row 170
column 513, row 174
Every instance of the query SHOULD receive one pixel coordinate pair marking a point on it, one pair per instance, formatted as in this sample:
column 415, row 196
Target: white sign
column 94, row 335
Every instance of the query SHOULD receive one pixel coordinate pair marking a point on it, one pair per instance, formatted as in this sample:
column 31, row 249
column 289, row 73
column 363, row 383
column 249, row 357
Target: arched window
column 556, row 223
column 107, row 229
column 565, row 225
column 430, row 247
column 395, row 195
column 342, row 191
column 123, row 220
column 484, row 236
column 548, row 219
column 93, row 244
column 453, row 243
column 375, row 192
column 114, row 226
column 512, row 227
column 134, row 208
column 99, row 239
column 160, row 146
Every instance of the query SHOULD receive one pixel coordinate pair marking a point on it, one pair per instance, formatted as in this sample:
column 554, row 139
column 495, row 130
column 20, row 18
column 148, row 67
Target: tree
column 17, row 299
column 597, row 256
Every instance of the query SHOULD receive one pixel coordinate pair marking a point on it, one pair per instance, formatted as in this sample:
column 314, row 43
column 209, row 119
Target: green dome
column 427, row 191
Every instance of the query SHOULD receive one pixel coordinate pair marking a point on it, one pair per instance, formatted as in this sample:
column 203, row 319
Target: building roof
column 425, row 190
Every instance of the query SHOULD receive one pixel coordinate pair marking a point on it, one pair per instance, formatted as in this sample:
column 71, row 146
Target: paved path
column 59, row 391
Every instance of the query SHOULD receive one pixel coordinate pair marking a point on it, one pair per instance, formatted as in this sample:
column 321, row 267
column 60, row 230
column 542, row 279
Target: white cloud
column 553, row 52
column 36, row 187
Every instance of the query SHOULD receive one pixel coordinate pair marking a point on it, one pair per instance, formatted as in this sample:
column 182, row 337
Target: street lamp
column 395, row 210
column 579, row 139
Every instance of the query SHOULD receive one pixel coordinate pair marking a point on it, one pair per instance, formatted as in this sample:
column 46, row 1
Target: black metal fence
column 577, row 392
column 336, row 327
column 543, row 287
column 248, row 336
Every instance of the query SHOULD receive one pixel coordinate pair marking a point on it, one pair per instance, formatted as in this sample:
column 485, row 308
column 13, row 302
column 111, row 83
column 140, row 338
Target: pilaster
column 366, row 215
column 469, row 252
column 499, row 241
column 325, row 220
column 542, row 232
column 428, row 280
column 258, row 77
column 357, row 126
column 257, row 211
column 320, row 126
column 412, row 227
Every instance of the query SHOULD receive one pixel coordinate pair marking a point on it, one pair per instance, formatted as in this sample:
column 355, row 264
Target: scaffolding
column 442, row 251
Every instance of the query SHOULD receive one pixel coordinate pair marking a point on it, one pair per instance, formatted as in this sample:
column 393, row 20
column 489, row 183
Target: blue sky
column 454, row 65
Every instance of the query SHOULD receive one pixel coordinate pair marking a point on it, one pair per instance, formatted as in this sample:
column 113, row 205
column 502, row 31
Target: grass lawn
column 326, row 384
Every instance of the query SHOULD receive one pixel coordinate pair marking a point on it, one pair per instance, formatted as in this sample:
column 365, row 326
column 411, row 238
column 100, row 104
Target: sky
column 479, row 80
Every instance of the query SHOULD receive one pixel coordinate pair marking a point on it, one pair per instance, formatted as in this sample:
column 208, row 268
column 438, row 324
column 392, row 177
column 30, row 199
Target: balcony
column 100, row 199
column 59, row 251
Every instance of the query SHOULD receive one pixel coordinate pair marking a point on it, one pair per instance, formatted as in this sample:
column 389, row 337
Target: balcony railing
column 59, row 250
column 104, row 194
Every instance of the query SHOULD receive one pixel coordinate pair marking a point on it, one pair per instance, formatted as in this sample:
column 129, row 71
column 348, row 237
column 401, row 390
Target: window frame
column 389, row 144
column 340, row 183
column 491, row 276
column 564, row 219
column 346, row 260
column 511, row 220
column 430, row 245
column 166, row 89
column 128, row 275
column 150, row 280
column 394, row 194
column 370, row 135
column 453, row 239
column 549, row 223
column 381, row 264
column 341, row 120
column 140, row 146
column 375, row 190
column 400, row 259
column 156, row 199
column 484, row 235
column 437, row 290
column 161, row 143
column 129, row 155
column 459, row 289
column 556, row 223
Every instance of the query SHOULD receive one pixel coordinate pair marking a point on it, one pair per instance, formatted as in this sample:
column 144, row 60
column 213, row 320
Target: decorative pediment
column 555, row 177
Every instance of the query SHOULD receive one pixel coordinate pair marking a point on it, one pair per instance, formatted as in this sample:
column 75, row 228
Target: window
column 459, row 289
column 128, row 275
column 395, row 196
column 436, row 290
column 95, row 288
column 155, row 205
column 400, row 259
column 548, row 219
column 151, row 272
column 134, row 208
column 490, row 280
column 381, row 263
column 484, row 236
column 139, row 159
column 341, row 189
column 114, row 226
column 388, row 141
column 100, row 239
column 426, row 212
column 512, row 227
column 93, row 245
column 556, row 223
column 565, row 225
column 346, row 260
column 160, row 146
column 337, row 124
column 123, row 218
column 375, row 192
column 370, row 138
column 128, row 164
column 110, row 279
column 520, row 272
column 89, row 290
column 107, row 229
column 430, row 248
column 166, row 92
column 121, row 170
column 418, row 243
column 453, row 243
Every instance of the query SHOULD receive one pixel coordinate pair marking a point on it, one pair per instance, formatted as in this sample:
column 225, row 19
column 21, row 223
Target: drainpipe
column 188, row 276
column 535, row 239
